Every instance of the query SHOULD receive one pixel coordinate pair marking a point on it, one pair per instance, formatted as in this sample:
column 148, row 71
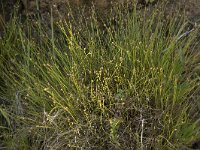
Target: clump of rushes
column 129, row 85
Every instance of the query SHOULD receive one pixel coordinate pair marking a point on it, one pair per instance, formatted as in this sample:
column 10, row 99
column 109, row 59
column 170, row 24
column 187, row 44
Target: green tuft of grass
column 131, row 84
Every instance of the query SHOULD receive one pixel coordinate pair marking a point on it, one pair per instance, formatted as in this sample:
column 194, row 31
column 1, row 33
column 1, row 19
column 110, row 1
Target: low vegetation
column 131, row 84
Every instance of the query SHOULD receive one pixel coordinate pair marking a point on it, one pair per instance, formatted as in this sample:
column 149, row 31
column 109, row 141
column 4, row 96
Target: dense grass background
column 128, row 84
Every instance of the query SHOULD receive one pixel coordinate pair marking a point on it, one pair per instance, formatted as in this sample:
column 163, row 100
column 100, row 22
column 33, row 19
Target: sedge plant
column 133, row 84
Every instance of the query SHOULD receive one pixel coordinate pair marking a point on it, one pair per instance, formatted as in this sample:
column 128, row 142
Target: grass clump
column 132, row 85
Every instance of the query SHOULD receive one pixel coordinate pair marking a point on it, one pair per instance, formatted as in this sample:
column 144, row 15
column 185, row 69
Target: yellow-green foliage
column 127, row 85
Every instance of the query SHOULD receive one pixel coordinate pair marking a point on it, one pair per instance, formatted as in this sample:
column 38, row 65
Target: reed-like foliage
column 131, row 84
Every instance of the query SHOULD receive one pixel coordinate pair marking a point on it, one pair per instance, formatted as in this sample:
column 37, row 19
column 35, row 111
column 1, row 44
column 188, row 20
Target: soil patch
column 31, row 7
